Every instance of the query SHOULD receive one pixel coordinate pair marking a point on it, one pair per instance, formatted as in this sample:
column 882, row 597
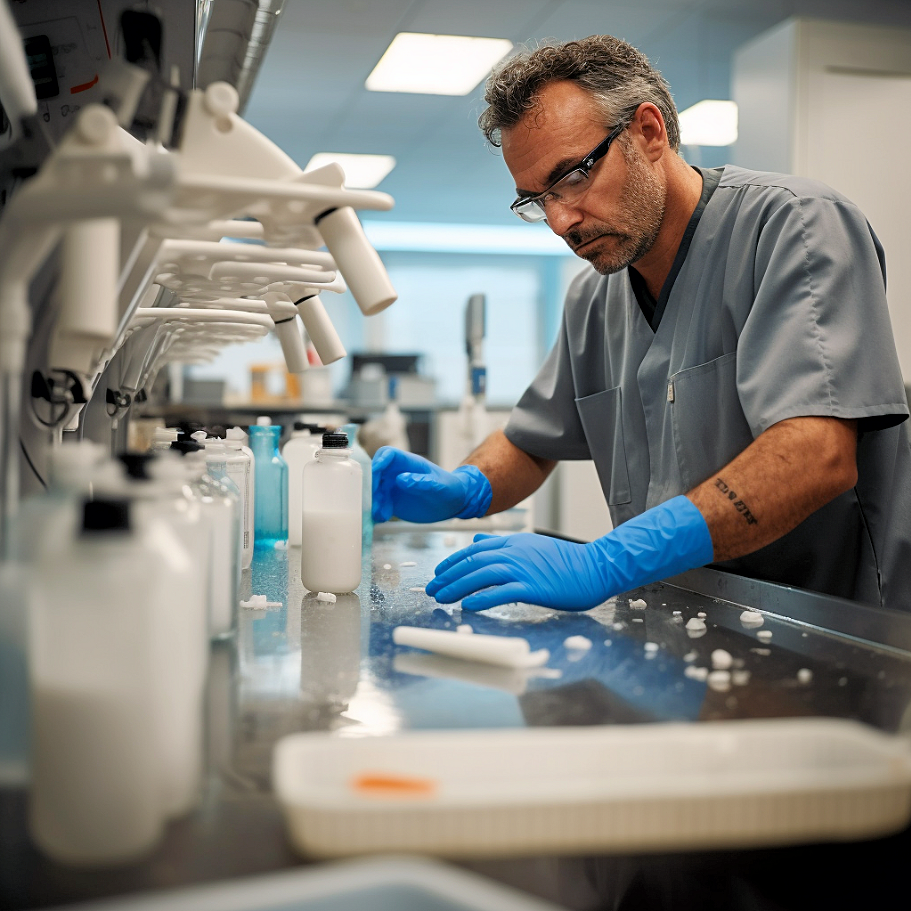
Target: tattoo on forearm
column 739, row 505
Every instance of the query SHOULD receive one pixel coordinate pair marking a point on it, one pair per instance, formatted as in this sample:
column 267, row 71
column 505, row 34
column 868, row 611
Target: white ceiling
column 309, row 95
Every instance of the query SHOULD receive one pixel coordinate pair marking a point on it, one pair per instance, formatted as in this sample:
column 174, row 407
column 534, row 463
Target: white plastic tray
column 609, row 789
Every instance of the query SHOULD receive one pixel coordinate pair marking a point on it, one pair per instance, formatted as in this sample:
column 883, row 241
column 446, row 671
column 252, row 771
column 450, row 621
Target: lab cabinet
column 829, row 100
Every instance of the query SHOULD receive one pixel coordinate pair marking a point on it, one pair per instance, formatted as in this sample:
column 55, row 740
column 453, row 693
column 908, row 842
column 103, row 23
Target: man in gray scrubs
column 727, row 362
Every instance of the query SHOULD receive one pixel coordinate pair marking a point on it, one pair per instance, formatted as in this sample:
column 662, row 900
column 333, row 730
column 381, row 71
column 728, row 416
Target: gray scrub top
column 778, row 311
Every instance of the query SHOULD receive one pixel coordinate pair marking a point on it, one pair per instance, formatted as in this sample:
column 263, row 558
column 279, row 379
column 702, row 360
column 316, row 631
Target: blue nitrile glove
column 663, row 541
column 414, row 489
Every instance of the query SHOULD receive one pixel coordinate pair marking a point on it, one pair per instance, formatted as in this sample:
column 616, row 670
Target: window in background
column 429, row 317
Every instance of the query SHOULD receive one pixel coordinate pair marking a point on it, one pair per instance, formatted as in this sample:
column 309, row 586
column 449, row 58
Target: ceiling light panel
column 709, row 123
column 362, row 172
column 436, row 64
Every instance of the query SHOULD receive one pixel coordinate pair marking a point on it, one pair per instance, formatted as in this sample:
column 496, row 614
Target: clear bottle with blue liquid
column 270, row 518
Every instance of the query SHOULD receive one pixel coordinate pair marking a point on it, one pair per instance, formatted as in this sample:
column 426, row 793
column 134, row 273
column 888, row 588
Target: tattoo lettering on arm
column 739, row 505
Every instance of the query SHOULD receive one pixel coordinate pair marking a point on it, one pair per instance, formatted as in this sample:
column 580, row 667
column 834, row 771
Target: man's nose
column 562, row 216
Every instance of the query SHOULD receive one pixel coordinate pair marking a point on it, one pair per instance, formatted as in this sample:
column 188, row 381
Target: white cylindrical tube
column 288, row 331
column 358, row 262
column 319, row 327
column 89, row 303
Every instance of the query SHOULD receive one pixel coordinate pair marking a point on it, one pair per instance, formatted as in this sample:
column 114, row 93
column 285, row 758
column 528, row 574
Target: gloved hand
column 663, row 541
column 416, row 490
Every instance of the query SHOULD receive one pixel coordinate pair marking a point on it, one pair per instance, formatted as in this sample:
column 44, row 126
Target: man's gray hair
column 619, row 77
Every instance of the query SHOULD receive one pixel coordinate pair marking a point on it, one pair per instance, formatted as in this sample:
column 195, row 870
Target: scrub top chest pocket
column 602, row 419
column 710, row 428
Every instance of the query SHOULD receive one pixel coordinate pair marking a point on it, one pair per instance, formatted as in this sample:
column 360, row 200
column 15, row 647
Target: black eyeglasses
column 569, row 187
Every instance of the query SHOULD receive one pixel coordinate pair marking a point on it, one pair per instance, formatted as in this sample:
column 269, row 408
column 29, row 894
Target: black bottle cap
column 105, row 515
column 137, row 464
column 300, row 425
column 335, row 440
column 185, row 446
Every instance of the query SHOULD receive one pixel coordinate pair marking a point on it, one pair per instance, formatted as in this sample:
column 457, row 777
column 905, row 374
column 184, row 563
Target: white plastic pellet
column 751, row 618
column 577, row 642
column 740, row 677
column 326, row 596
column 417, row 588
column 690, row 656
column 638, row 604
column 619, row 625
column 387, row 566
column 764, row 634
column 677, row 613
column 720, row 680
column 696, row 673
column 761, row 651
column 408, row 563
column 695, row 623
column 651, row 646
column 805, row 675
column 721, row 660
column 608, row 642
column 638, row 620
column 464, row 628
column 701, row 614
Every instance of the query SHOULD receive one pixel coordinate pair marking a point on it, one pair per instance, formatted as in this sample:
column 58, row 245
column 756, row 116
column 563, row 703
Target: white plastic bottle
column 162, row 437
column 220, row 509
column 298, row 450
column 166, row 522
column 331, row 525
column 95, row 793
column 240, row 470
column 359, row 454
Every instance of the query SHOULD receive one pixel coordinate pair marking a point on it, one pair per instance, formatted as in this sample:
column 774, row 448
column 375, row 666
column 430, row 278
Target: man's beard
column 640, row 212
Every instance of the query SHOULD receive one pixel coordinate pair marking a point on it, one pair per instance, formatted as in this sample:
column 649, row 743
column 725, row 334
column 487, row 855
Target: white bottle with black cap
column 331, row 518
column 95, row 792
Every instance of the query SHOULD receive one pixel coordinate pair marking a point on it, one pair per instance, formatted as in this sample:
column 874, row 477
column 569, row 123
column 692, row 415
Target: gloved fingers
column 480, row 536
column 493, row 597
column 472, row 578
column 476, row 559
column 487, row 542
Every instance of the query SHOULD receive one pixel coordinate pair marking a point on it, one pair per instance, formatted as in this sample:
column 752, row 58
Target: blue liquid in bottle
column 270, row 479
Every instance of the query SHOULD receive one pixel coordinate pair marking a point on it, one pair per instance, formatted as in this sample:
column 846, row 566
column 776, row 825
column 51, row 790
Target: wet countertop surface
column 311, row 665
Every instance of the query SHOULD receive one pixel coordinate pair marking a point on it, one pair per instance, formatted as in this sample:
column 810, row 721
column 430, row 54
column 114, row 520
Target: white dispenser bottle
column 331, row 520
column 95, row 794
column 298, row 450
column 240, row 470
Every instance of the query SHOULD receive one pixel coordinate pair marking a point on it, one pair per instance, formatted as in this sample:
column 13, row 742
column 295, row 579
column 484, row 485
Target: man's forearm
column 785, row 475
column 513, row 473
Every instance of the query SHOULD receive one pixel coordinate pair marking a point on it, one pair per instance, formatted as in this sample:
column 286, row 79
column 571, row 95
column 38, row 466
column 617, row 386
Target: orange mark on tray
column 383, row 784
column 85, row 85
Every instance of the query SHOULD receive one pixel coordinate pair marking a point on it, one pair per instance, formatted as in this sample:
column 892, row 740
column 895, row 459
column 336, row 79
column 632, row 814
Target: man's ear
column 648, row 127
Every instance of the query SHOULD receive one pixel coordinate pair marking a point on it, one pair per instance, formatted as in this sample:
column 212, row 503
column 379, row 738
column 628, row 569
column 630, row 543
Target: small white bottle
column 95, row 793
column 240, row 470
column 331, row 518
column 162, row 437
column 298, row 450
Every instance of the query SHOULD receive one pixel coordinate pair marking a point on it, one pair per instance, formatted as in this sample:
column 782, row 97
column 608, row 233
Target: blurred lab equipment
column 389, row 429
column 332, row 515
column 270, row 520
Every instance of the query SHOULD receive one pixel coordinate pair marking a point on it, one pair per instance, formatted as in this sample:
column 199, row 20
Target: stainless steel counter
column 309, row 665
